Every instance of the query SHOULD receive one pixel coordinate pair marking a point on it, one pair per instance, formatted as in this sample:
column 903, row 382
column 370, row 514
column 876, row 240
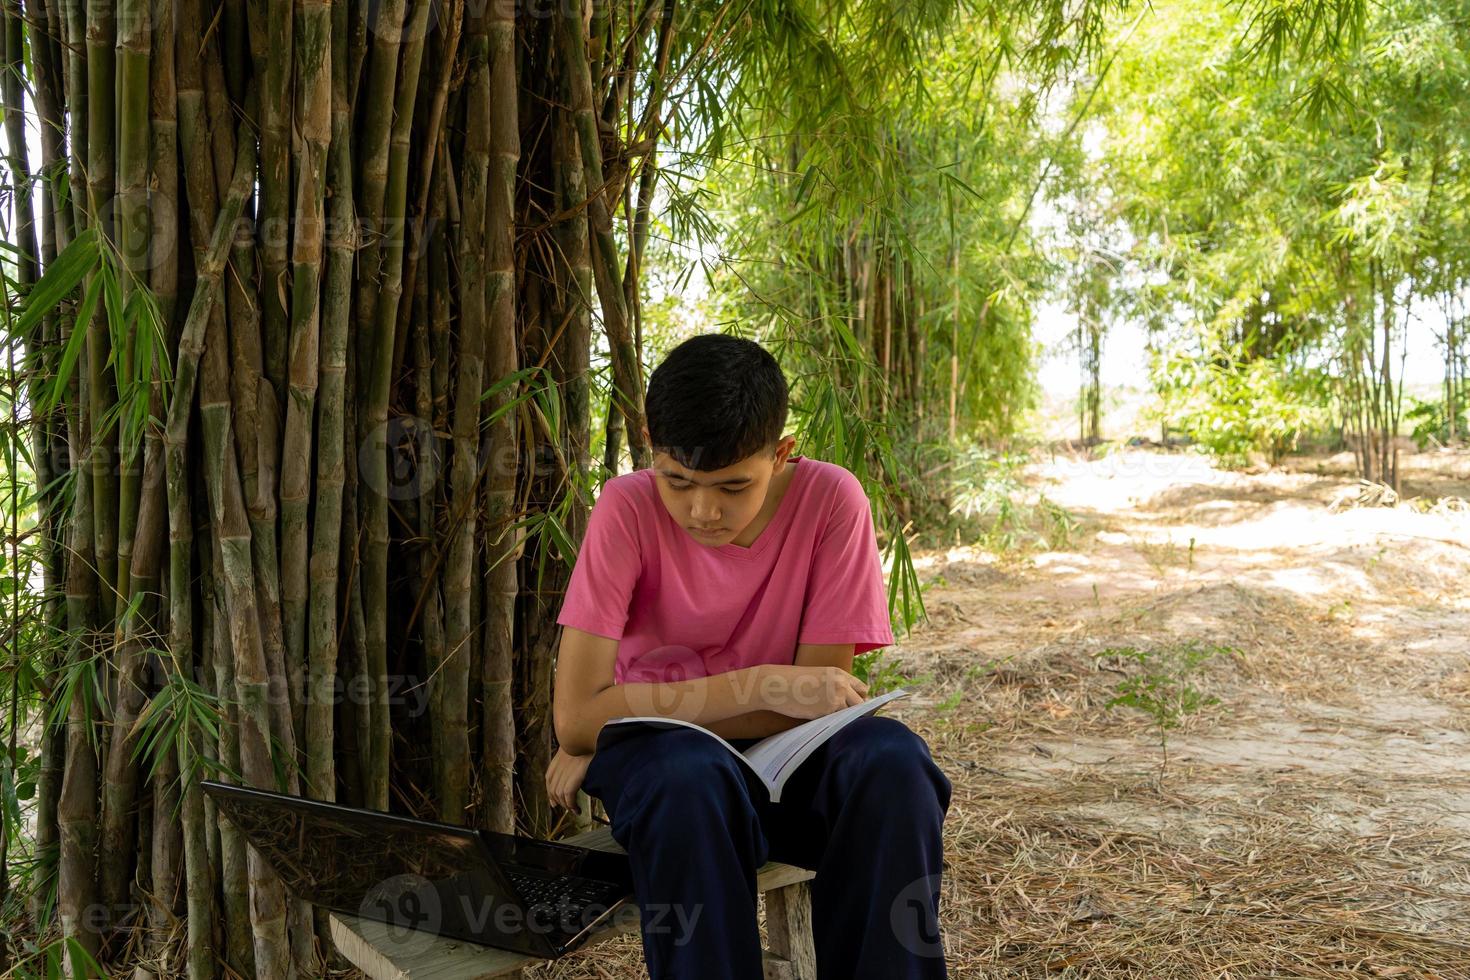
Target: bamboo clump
column 291, row 370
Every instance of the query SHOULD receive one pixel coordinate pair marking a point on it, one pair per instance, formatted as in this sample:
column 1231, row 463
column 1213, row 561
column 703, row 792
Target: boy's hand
column 810, row 692
column 564, row 778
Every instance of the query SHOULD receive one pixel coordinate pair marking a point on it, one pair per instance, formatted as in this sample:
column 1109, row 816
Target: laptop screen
column 397, row 870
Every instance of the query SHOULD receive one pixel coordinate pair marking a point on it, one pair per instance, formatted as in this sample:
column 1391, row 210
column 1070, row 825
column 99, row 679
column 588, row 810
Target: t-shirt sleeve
column 600, row 591
column 845, row 599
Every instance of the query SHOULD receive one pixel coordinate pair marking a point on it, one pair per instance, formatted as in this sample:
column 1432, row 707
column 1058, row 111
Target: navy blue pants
column 863, row 812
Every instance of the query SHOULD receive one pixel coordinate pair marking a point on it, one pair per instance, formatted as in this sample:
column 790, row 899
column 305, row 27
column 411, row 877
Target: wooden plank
column 771, row 875
column 386, row 953
column 789, row 928
column 383, row 952
column 774, row 967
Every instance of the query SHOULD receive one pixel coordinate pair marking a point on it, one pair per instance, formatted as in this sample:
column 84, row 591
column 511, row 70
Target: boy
column 731, row 585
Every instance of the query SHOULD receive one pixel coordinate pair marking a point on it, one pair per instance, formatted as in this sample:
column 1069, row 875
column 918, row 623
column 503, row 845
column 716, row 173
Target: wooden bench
column 385, row 953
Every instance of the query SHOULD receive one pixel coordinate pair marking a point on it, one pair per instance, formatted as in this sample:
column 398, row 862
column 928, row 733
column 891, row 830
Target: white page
column 776, row 757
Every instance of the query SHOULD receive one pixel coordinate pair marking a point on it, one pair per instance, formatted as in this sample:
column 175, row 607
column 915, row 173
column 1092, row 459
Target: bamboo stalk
column 75, row 27
column 120, row 778
column 46, row 32
column 572, row 315
column 501, row 582
column 372, row 396
column 275, row 181
column 200, row 183
column 77, row 811
column 134, row 58
column 199, row 864
column 76, row 887
column 199, row 869
column 167, row 856
column 458, row 564
column 163, row 280
column 233, row 862
column 653, row 125
column 627, row 368
column 426, row 578
column 25, row 275
column 193, row 123
column 205, row 319
column 232, row 532
column 433, row 129
column 391, row 208
column 20, row 171
column 256, row 420
column 313, row 35
column 372, row 152
column 163, row 234
column 331, row 405
column 620, row 82
column 100, row 184
column 47, row 443
column 120, row 781
column 431, row 358
column 256, row 423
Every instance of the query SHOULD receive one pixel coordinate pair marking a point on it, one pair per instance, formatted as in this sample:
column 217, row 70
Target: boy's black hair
column 715, row 400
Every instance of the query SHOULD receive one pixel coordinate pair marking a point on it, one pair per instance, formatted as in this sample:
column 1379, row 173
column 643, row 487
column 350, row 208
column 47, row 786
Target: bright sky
column 1123, row 351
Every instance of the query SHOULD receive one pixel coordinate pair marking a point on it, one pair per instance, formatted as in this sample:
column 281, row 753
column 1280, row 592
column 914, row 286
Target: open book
column 773, row 759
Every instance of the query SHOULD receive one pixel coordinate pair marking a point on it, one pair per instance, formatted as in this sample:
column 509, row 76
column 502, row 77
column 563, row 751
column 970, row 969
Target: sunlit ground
column 1313, row 821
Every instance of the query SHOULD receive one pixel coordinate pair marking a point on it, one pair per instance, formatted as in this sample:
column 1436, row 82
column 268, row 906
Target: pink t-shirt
column 682, row 609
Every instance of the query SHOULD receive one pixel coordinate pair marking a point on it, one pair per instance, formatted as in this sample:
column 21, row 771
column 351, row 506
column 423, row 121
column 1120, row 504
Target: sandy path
column 1314, row 822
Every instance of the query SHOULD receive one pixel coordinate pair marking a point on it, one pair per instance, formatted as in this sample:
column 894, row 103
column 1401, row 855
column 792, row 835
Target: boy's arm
column 584, row 696
column 763, row 722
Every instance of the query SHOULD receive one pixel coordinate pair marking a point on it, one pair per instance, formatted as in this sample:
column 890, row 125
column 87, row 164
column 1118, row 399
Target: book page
column 776, row 757
column 609, row 733
column 772, row 759
column 616, row 729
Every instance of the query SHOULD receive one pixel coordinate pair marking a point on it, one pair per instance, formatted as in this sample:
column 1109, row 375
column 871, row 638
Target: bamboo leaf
column 68, row 269
column 563, row 541
column 510, row 379
column 73, row 349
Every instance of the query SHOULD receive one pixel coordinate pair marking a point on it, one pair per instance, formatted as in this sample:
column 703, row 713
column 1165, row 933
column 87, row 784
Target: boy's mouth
column 713, row 532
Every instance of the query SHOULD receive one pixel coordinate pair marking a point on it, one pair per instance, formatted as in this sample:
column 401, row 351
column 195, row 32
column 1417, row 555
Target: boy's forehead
column 741, row 472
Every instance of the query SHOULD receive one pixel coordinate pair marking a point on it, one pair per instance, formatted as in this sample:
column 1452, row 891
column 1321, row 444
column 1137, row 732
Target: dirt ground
column 1313, row 821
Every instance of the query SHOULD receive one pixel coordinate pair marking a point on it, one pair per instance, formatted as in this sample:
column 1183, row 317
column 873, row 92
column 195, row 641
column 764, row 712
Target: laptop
column 514, row 893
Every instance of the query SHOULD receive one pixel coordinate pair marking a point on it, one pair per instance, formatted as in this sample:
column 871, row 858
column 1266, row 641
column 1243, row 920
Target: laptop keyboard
column 559, row 892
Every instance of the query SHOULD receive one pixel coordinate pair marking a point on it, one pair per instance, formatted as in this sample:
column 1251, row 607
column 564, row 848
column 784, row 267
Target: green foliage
column 1431, row 423
column 1292, row 177
column 880, row 672
column 1234, row 407
column 62, row 957
column 180, row 713
column 1161, row 684
column 1007, row 516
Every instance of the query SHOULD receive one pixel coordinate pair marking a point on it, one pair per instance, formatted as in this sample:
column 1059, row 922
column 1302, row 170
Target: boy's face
column 726, row 500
